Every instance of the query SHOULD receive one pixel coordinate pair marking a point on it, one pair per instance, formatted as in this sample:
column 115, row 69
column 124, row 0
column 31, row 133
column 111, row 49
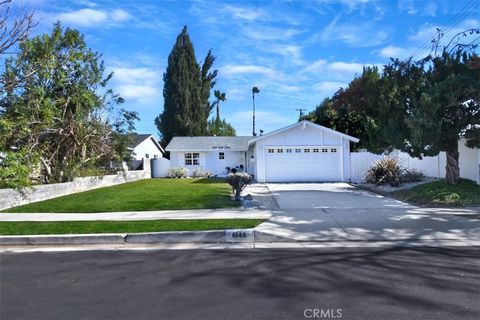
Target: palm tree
column 220, row 97
column 254, row 90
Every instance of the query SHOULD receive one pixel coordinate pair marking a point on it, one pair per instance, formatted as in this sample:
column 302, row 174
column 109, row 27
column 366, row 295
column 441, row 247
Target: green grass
column 76, row 227
column 439, row 193
column 143, row 195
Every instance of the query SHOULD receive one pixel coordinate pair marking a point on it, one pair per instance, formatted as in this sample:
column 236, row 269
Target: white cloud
column 137, row 83
column 327, row 88
column 89, row 17
column 120, row 15
column 430, row 9
column 336, row 68
column 229, row 70
column 364, row 34
column 83, row 17
column 269, row 33
column 244, row 13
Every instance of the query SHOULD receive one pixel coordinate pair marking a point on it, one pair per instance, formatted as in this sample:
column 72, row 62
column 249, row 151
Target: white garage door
column 300, row 163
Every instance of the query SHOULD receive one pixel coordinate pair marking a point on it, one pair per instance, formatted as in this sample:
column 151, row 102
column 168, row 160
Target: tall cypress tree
column 181, row 92
column 186, row 91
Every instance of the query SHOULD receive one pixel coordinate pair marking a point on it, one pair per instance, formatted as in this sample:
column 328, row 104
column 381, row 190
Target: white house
column 145, row 146
column 303, row 151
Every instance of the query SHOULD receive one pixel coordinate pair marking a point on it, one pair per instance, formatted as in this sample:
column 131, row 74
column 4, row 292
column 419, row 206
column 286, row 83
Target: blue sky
column 295, row 52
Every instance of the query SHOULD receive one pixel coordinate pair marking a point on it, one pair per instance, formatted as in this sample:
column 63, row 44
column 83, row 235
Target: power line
column 452, row 23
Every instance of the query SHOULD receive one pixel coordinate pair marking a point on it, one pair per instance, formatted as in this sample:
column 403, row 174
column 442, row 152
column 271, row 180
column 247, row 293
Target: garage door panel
column 303, row 166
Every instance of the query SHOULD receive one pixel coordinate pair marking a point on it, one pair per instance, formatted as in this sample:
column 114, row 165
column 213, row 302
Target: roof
column 208, row 143
column 140, row 137
column 305, row 123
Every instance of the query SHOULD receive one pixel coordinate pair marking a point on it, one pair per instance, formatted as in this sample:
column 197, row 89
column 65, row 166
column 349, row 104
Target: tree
column 186, row 91
column 220, row 128
column 444, row 108
column 220, row 96
column 60, row 117
column 12, row 32
column 255, row 90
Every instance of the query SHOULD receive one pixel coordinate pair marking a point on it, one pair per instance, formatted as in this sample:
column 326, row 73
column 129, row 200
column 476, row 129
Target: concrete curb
column 210, row 236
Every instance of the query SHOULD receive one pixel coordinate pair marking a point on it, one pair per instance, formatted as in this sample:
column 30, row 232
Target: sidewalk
column 141, row 215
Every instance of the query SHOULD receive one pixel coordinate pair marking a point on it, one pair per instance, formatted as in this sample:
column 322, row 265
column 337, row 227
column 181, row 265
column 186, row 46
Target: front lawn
column 439, row 193
column 77, row 227
column 143, row 195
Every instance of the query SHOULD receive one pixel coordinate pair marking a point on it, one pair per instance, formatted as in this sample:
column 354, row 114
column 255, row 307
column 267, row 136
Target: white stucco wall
column 301, row 136
column 210, row 160
column 146, row 147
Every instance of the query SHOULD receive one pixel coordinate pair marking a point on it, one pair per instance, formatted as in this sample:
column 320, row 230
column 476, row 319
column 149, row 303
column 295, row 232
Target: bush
column 383, row 171
column 14, row 171
column 177, row 172
column 411, row 176
column 201, row 173
column 239, row 181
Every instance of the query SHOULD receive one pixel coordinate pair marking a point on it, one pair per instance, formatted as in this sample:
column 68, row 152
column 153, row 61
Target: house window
column 298, row 150
column 221, row 155
column 192, row 159
column 315, row 150
column 333, row 150
column 271, row 150
column 288, row 150
column 306, row 150
column 279, row 150
column 196, row 158
column 324, row 150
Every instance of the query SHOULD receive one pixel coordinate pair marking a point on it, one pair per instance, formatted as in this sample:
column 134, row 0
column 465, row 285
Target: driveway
column 339, row 211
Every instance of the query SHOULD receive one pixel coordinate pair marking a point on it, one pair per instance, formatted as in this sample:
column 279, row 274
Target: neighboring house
column 145, row 146
column 303, row 151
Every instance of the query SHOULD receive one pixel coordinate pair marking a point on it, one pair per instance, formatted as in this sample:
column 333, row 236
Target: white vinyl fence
column 469, row 161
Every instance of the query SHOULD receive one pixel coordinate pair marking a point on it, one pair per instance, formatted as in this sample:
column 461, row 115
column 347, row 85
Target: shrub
column 201, row 173
column 411, row 175
column 14, row 171
column 177, row 172
column 239, row 181
column 383, row 171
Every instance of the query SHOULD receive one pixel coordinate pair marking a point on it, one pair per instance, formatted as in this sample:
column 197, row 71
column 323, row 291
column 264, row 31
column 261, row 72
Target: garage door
column 300, row 163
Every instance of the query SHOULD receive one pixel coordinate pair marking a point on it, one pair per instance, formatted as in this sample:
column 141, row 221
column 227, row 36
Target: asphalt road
column 422, row 283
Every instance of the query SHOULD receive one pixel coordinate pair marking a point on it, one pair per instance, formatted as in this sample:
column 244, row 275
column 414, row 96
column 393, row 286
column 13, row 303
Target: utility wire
column 452, row 23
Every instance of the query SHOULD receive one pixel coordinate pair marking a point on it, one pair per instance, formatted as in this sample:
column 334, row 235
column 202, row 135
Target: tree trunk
column 452, row 173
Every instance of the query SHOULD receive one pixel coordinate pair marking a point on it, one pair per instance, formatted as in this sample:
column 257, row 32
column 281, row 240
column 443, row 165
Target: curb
column 210, row 236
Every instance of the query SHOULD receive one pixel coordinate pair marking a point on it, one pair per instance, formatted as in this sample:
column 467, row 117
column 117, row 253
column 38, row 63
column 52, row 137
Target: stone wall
column 13, row 197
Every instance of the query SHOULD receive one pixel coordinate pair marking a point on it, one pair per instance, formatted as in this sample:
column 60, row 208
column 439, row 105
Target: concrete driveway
column 339, row 211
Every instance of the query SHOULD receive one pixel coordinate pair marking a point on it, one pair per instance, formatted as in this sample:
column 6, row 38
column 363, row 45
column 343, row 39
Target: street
column 380, row 283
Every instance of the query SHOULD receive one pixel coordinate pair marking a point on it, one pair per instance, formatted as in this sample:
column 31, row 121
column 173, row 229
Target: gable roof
column 208, row 143
column 305, row 123
column 140, row 137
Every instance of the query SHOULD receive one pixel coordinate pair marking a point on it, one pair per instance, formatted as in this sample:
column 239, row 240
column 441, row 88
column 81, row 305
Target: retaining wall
column 13, row 197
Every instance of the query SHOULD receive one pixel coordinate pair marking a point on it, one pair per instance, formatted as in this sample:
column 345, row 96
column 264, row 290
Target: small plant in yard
column 239, row 181
column 412, row 175
column 201, row 173
column 385, row 170
column 177, row 172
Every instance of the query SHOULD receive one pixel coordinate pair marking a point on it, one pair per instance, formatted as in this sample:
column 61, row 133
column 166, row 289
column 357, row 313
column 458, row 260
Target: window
column 192, row 159
column 221, row 155
column 196, row 158
column 315, row 150
column 271, row 150
column 288, row 150
column 324, row 150
column 298, row 150
column 279, row 150
column 333, row 150
column 306, row 150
